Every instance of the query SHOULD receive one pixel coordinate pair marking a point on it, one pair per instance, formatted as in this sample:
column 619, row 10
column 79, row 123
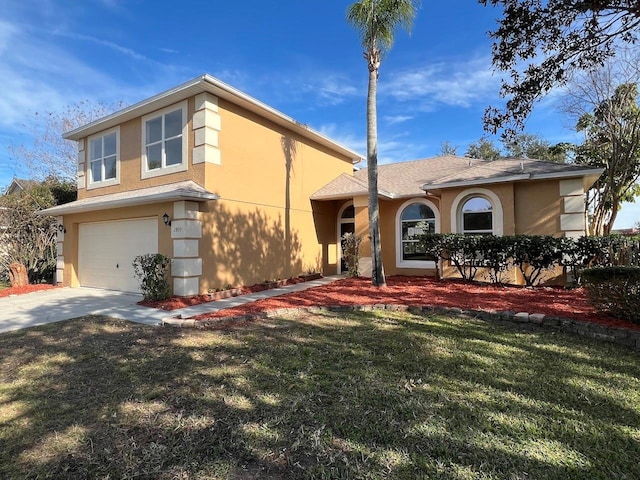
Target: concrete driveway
column 22, row 311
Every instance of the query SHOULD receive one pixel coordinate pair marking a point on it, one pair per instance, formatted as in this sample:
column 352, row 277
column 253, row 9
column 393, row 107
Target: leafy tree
column 528, row 145
column 523, row 145
column 377, row 21
column 448, row 149
column 612, row 142
column 553, row 39
column 28, row 238
column 50, row 155
column 484, row 149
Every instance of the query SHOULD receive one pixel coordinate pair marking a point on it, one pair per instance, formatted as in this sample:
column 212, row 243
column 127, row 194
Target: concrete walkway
column 55, row 305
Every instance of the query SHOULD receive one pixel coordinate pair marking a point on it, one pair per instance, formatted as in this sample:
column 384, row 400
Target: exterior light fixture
column 61, row 228
column 166, row 220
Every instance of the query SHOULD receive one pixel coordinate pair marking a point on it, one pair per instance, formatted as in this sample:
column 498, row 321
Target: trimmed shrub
column 461, row 250
column 351, row 252
column 536, row 254
column 152, row 271
column 614, row 291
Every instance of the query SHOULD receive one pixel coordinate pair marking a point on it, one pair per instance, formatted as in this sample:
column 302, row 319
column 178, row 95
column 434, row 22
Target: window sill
column 106, row 183
column 164, row 171
column 428, row 264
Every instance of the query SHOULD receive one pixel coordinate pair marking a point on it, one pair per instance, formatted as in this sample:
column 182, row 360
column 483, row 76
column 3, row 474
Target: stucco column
column 361, row 207
column 59, row 275
column 572, row 220
column 186, row 264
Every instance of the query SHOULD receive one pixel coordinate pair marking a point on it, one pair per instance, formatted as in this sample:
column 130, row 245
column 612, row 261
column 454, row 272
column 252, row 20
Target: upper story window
column 164, row 141
column 477, row 216
column 104, row 159
column 414, row 218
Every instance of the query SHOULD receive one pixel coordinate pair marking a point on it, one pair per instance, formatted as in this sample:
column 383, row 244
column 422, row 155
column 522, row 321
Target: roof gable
column 207, row 83
column 412, row 178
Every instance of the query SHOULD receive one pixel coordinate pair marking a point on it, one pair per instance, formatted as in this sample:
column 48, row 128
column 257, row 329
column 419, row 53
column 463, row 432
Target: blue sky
column 299, row 56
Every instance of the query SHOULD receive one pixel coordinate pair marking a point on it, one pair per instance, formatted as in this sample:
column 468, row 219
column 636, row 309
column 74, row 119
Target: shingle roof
column 20, row 184
column 406, row 179
column 187, row 190
column 511, row 169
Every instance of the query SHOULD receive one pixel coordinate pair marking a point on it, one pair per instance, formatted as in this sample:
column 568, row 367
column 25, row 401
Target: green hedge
column 533, row 255
column 614, row 290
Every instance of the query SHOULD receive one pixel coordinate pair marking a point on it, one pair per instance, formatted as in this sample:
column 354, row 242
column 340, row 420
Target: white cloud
column 105, row 43
column 392, row 149
column 460, row 84
column 357, row 143
column 32, row 81
column 395, row 119
column 331, row 89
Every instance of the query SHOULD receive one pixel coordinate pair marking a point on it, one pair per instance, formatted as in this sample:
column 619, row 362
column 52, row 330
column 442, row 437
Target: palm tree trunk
column 377, row 269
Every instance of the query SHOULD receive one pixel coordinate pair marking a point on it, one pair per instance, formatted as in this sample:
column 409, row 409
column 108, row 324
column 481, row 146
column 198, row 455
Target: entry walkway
column 55, row 305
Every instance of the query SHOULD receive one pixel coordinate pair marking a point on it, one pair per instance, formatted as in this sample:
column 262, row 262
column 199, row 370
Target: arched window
column 477, row 216
column 348, row 213
column 477, row 211
column 416, row 218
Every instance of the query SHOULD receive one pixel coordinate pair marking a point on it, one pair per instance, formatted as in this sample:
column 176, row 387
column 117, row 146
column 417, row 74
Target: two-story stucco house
column 236, row 192
column 204, row 174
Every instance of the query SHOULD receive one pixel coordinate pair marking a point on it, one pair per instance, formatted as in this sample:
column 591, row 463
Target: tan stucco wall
column 528, row 208
column 504, row 191
column 264, row 224
column 71, row 222
column 131, row 162
column 537, row 208
column 390, row 238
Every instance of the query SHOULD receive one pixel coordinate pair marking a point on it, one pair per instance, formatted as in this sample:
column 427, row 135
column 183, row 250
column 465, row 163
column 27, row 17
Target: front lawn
column 362, row 395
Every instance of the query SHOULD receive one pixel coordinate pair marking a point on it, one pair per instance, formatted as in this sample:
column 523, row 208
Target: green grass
column 367, row 395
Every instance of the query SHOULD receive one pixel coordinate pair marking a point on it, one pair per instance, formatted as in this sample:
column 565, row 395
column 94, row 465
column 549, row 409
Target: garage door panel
column 106, row 252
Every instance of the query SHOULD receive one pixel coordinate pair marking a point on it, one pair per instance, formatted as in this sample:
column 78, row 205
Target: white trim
column 187, row 190
column 498, row 214
column 578, row 174
column 339, row 224
column 207, row 83
column 145, row 173
column 400, row 263
column 478, row 181
column 88, row 160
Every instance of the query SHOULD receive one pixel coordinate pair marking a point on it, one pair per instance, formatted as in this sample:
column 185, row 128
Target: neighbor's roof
column 207, row 83
column 187, row 190
column 20, row 184
column 409, row 179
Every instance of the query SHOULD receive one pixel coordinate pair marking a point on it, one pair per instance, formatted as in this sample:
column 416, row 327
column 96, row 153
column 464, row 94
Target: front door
column 345, row 228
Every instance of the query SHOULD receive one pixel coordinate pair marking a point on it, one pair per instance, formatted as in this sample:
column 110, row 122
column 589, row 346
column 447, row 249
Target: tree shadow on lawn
column 366, row 395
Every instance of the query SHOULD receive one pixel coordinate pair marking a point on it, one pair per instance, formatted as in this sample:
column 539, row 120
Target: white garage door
column 106, row 251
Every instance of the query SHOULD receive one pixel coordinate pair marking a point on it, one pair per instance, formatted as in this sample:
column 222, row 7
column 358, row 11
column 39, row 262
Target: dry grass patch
column 362, row 395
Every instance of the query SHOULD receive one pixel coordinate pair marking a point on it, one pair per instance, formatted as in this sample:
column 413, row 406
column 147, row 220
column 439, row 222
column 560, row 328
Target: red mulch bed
column 26, row 289
column 419, row 291
column 174, row 303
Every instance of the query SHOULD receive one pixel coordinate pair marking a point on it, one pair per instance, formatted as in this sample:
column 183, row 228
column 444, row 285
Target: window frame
column 457, row 225
column 463, row 213
column 91, row 183
column 341, row 220
column 400, row 262
column 165, row 170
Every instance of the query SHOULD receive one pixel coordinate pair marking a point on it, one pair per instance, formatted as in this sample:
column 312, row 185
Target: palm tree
column 377, row 20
